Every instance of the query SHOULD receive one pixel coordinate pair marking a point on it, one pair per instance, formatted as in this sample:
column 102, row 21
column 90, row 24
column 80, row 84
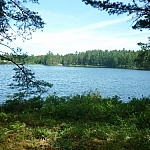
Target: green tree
column 139, row 9
column 16, row 20
column 143, row 57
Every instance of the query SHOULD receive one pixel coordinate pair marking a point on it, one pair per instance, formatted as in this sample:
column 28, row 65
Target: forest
column 98, row 58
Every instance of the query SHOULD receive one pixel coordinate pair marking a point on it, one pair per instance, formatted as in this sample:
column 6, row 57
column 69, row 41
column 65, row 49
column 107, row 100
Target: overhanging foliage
column 139, row 9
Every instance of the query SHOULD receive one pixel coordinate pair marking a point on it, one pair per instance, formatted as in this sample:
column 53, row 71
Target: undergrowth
column 80, row 122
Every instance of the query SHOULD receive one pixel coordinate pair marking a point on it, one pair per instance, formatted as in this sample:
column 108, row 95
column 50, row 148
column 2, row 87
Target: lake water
column 77, row 80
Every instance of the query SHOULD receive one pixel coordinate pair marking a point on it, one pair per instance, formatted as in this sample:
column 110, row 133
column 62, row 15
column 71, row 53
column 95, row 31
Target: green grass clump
column 80, row 122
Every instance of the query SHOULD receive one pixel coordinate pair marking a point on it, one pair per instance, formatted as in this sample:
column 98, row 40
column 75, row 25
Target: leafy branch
column 24, row 79
column 141, row 9
column 17, row 20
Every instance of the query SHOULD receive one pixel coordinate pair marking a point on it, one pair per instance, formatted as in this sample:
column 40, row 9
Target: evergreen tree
column 16, row 20
column 139, row 9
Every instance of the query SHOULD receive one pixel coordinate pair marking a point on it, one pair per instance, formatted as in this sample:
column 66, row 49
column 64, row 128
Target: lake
column 77, row 80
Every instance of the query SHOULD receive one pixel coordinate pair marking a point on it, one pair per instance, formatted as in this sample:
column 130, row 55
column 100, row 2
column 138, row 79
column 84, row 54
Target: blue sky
column 73, row 26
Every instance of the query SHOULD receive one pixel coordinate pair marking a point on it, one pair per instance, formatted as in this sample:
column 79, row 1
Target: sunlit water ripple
column 77, row 80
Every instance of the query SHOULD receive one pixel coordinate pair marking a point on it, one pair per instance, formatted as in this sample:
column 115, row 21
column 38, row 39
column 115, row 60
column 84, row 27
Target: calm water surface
column 77, row 80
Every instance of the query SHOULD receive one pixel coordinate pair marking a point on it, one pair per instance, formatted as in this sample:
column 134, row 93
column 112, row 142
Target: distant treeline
column 113, row 59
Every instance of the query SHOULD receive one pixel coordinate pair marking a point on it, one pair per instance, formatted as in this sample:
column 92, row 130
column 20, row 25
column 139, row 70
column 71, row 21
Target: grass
column 80, row 122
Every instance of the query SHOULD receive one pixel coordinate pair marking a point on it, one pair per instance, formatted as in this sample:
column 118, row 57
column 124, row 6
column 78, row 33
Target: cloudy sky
column 73, row 26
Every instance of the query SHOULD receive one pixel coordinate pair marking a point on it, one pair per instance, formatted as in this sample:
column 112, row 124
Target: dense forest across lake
column 113, row 59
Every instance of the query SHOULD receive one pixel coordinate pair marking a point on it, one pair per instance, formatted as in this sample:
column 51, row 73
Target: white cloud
column 93, row 36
